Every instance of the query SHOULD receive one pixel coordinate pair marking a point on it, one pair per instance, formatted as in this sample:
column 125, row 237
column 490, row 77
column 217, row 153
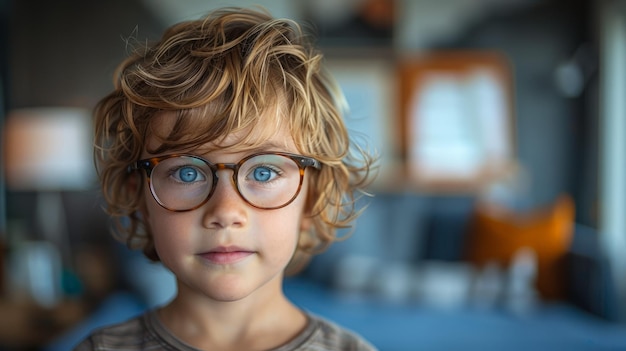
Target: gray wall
column 63, row 53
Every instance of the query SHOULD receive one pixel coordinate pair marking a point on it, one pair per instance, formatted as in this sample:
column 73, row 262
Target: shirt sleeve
column 332, row 337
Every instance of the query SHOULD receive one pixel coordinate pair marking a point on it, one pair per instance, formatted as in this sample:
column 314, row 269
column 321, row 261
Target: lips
column 226, row 254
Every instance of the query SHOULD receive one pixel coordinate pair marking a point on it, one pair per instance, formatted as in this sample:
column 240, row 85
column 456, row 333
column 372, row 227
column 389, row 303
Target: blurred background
column 498, row 216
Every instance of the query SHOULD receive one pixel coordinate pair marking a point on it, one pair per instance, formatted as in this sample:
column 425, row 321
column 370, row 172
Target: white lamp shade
column 48, row 149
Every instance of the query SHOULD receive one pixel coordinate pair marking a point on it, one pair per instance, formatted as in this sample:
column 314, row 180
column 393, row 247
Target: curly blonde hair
column 217, row 75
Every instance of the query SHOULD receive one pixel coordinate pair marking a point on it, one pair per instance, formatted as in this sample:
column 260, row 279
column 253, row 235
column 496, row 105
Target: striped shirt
column 146, row 332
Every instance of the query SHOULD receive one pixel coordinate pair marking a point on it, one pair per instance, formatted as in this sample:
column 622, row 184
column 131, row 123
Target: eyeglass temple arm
column 144, row 164
column 309, row 162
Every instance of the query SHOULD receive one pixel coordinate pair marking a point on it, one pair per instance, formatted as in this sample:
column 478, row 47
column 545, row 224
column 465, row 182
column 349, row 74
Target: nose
column 225, row 208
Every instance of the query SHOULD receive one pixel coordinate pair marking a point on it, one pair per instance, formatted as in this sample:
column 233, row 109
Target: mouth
column 226, row 254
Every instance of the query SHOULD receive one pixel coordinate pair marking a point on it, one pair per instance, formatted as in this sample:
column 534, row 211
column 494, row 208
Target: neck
column 261, row 321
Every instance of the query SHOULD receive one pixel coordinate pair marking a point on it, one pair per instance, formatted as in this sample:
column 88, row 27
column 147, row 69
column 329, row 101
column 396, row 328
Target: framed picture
column 370, row 88
column 456, row 119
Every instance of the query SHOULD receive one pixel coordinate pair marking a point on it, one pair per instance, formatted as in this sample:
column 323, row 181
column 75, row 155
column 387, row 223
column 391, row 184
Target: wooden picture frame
column 457, row 122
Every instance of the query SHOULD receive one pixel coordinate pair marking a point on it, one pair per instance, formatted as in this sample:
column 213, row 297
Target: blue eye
column 188, row 174
column 262, row 174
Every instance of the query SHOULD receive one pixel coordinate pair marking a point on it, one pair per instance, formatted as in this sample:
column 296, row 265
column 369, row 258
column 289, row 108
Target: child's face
column 194, row 245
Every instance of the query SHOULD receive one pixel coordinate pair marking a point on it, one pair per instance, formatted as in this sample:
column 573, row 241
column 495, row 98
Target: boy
column 222, row 153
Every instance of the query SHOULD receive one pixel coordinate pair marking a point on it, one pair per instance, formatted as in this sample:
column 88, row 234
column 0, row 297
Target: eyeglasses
column 264, row 180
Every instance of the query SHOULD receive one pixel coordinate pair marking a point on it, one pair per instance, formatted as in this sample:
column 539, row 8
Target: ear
column 135, row 186
column 306, row 223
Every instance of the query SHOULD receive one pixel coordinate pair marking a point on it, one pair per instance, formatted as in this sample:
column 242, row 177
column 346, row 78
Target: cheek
column 168, row 232
column 285, row 226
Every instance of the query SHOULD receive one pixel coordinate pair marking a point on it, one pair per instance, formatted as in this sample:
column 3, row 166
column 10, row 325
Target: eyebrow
column 268, row 146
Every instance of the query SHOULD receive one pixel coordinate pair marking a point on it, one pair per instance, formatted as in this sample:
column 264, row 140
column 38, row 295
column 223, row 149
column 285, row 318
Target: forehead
column 265, row 132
